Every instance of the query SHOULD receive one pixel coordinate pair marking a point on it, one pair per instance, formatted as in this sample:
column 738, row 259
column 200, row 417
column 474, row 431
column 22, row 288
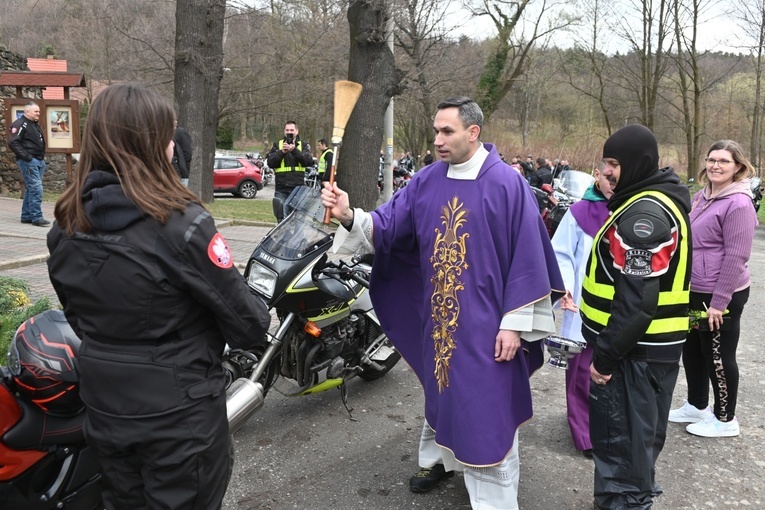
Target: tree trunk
column 198, row 72
column 371, row 64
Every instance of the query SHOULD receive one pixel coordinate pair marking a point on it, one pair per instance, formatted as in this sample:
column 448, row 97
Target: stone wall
column 10, row 178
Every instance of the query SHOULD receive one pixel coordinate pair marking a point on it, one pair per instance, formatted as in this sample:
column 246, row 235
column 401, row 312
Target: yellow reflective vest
column 283, row 166
column 323, row 162
column 670, row 322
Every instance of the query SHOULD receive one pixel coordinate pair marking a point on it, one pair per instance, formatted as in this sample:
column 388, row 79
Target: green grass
column 257, row 210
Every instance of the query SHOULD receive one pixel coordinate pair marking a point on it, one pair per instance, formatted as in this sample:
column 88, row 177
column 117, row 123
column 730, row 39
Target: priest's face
column 454, row 142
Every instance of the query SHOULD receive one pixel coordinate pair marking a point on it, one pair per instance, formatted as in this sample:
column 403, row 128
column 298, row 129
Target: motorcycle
column 553, row 204
column 45, row 462
column 328, row 332
column 401, row 177
column 754, row 186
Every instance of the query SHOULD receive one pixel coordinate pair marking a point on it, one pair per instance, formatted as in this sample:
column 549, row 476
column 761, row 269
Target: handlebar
column 340, row 270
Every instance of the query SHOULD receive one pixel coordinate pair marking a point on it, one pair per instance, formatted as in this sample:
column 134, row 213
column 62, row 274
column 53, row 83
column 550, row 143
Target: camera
column 289, row 138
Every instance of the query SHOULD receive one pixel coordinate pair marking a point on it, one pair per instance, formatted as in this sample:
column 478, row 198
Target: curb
column 26, row 261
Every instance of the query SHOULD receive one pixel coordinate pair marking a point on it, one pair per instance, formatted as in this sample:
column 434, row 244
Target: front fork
column 245, row 395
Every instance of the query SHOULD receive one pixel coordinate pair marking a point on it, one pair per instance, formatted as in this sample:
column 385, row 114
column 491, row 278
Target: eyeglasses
column 721, row 162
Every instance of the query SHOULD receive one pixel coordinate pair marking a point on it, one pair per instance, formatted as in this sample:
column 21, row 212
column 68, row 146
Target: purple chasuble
column 590, row 216
column 452, row 257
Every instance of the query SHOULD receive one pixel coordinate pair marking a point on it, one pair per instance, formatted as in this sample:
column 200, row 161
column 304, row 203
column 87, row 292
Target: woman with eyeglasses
column 723, row 221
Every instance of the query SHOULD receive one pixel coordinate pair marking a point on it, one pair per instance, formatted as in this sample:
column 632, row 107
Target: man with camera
column 289, row 157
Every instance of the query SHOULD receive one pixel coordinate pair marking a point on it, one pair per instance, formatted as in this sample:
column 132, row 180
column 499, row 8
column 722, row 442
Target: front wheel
column 247, row 189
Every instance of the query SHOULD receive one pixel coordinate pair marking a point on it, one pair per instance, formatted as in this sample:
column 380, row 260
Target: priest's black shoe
column 427, row 478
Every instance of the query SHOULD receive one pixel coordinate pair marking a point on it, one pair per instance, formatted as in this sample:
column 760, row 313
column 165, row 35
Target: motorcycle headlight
column 262, row 279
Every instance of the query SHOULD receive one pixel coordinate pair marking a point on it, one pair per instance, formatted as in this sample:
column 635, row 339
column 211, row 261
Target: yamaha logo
column 268, row 258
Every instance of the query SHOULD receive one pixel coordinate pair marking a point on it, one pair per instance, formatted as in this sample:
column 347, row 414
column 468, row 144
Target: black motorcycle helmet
column 43, row 361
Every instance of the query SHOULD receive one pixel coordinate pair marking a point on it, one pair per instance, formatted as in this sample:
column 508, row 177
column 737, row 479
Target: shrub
column 15, row 308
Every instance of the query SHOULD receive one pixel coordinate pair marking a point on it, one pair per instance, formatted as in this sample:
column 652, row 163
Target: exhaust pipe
column 243, row 398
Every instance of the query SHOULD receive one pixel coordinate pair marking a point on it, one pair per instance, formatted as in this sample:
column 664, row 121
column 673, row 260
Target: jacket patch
column 638, row 262
column 13, row 130
column 643, row 228
column 219, row 253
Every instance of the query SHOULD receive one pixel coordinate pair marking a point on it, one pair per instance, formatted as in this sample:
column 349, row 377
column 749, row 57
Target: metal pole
column 388, row 130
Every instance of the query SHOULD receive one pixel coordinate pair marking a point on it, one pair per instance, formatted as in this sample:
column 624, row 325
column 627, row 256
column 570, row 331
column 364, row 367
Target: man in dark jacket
column 28, row 144
column 635, row 315
column 182, row 152
column 543, row 175
column 289, row 157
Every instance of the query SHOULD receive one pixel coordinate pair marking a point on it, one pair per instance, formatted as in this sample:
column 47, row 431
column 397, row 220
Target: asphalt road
column 307, row 453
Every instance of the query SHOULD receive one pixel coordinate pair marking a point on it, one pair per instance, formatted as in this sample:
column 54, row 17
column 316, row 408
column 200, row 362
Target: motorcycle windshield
column 303, row 231
column 575, row 183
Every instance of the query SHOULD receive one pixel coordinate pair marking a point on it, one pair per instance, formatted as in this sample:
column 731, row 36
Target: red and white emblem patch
column 13, row 130
column 219, row 253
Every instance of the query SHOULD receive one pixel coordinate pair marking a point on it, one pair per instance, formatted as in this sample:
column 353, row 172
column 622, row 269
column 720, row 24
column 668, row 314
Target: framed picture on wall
column 60, row 120
column 14, row 109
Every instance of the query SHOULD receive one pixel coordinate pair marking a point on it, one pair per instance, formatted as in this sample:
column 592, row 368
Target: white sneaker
column 689, row 414
column 712, row 427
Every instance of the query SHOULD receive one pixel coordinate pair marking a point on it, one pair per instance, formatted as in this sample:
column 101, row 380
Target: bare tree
column 371, row 64
column 506, row 61
column 420, row 36
column 589, row 53
column 642, row 69
column 751, row 15
column 198, row 72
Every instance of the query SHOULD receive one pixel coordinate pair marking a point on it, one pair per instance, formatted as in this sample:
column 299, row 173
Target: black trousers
column 179, row 460
column 628, row 427
column 711, row 357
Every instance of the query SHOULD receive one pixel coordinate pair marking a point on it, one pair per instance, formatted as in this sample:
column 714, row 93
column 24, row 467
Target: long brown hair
column 746, row 170
column 127, row 133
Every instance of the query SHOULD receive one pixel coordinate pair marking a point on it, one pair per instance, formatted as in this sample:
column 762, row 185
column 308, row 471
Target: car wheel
column 247, row 189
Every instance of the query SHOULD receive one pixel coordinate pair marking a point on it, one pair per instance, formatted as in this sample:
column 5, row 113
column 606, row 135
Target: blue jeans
column 32, row 171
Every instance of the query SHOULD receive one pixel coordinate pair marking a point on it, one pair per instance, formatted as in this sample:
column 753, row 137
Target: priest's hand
column 507, row 344
column 336, row 200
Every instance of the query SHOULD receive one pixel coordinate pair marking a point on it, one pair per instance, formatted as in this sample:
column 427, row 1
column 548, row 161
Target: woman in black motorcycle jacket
column 149, row 285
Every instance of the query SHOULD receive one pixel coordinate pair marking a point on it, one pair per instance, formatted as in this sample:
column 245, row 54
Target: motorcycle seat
column 37, row 429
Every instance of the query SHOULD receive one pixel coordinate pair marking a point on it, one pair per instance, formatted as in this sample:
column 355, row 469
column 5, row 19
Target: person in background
column 428, row 159
column 150, row 286
column 325, row 160
column 28, row 144
column 182, row 153
column 572, row 243
column 543, row 175
column 528, row 167
column 480, row 291
column 723, row 221
column 289, row 158
column 634, row 312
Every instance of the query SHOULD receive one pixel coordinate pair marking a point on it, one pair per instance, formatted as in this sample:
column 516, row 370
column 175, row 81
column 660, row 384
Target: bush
column 15, row 308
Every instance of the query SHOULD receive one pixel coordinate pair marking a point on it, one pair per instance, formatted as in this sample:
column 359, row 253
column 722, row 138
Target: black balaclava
column 637, row 151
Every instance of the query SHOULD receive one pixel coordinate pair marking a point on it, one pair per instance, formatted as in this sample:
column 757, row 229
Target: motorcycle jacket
column 154, row 304
column 289, row 168
column 26, row 140
column 636, row 290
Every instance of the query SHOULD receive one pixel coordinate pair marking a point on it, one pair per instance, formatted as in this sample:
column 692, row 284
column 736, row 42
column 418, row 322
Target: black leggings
column 711, row 356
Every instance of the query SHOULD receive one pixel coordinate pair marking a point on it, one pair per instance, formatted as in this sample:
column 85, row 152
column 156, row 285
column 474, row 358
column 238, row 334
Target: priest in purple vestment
column 464, row 247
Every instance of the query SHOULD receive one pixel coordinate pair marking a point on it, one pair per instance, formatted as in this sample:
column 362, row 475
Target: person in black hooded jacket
column 635, row 316
column 149, row 285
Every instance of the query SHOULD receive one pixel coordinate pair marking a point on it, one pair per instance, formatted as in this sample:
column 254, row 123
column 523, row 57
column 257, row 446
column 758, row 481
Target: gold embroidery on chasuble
column 448, row 262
